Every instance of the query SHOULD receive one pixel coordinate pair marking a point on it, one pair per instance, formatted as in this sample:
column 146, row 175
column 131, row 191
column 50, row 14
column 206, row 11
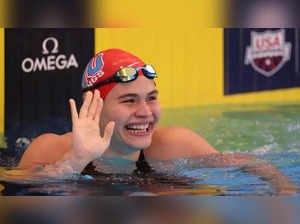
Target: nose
column 143, row 110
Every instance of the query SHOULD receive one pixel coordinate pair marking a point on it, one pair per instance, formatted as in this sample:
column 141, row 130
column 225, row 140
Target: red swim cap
column 104, row 65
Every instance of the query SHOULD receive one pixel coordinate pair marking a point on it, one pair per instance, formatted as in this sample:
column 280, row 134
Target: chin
column 136, row 142
column 140, row 143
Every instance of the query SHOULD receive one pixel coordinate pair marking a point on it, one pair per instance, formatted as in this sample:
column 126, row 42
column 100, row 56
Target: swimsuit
column 143, row 175
column 142, row 167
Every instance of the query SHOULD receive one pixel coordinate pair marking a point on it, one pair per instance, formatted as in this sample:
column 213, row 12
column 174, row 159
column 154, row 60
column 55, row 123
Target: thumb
column 108, row 132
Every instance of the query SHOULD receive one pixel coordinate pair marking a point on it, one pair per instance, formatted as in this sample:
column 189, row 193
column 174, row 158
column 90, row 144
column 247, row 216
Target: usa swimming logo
column 268, row 52
column 93, row 71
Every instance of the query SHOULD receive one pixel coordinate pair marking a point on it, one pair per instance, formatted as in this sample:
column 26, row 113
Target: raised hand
column 87, row 141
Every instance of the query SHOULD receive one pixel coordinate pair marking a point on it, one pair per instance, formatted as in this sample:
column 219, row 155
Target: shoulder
column 50, row 140
column 45, row 149
column 171, row 142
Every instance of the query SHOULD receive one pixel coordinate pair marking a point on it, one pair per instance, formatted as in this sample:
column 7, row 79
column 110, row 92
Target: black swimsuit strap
column 141, row 156
column 142, row 166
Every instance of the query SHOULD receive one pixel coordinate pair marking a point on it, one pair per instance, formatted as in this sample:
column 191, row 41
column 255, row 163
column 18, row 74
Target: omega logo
column 51, row 61
column 55, row 47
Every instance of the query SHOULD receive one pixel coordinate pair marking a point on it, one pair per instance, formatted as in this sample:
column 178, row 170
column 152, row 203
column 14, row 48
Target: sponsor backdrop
column 43, row 70
column 191, row 65
column 261, row 59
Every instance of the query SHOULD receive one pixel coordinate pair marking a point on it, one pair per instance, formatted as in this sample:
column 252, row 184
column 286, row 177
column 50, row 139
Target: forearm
column 251, row 164
column 69, row 167
column 280, row 183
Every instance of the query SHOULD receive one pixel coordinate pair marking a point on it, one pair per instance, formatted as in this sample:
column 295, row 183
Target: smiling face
column 136, row 111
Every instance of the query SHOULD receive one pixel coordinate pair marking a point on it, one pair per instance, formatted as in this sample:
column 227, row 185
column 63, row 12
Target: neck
column 114, row 153
column 114, row 162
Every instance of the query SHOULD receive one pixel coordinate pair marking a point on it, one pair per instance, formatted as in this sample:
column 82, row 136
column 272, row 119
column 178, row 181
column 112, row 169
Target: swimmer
column 119, row 119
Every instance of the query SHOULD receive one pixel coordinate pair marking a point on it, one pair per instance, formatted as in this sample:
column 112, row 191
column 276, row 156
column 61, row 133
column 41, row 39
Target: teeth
column 138, row 126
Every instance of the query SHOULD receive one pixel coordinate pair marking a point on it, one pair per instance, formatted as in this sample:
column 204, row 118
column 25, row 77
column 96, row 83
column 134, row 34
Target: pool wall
column 189, row 64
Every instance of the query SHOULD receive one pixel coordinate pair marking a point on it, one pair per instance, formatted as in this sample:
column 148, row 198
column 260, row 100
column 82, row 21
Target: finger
column 93, row 106
column 86, row 103
column 73, row 108
column 108, row 132
column 98, row 110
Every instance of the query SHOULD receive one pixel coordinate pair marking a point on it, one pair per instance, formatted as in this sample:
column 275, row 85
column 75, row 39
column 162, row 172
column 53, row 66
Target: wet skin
column 135, row 109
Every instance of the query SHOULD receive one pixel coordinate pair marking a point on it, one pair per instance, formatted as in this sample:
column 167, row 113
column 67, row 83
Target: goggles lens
column 128, row 74
column 150, row 70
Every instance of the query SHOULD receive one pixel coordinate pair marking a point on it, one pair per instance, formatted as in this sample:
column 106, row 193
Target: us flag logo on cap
column 93, row 71
column 268, row 52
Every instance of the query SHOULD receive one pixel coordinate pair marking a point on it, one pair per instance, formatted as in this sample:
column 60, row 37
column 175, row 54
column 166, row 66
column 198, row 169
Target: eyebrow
column 135, row 95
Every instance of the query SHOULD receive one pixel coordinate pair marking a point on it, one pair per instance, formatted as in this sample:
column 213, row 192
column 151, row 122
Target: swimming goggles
column 126, row 74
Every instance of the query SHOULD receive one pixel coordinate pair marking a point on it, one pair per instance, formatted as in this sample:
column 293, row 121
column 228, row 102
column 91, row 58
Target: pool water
column 269, row 131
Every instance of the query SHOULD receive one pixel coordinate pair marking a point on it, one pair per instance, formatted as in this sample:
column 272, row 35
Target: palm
column 87, row 141
column 86, row 136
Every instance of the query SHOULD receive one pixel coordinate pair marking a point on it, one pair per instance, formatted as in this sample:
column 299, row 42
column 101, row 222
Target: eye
column 128, row 101
column 152, row 98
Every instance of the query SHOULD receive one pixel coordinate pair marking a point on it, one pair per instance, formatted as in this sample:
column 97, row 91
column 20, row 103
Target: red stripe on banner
column 272, row 63
column 263, row 66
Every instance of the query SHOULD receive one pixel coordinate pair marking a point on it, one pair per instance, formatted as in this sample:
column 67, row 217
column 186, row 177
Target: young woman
column 119, row 119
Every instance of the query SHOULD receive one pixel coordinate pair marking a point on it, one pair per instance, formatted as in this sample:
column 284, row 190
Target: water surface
column 269, row 131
